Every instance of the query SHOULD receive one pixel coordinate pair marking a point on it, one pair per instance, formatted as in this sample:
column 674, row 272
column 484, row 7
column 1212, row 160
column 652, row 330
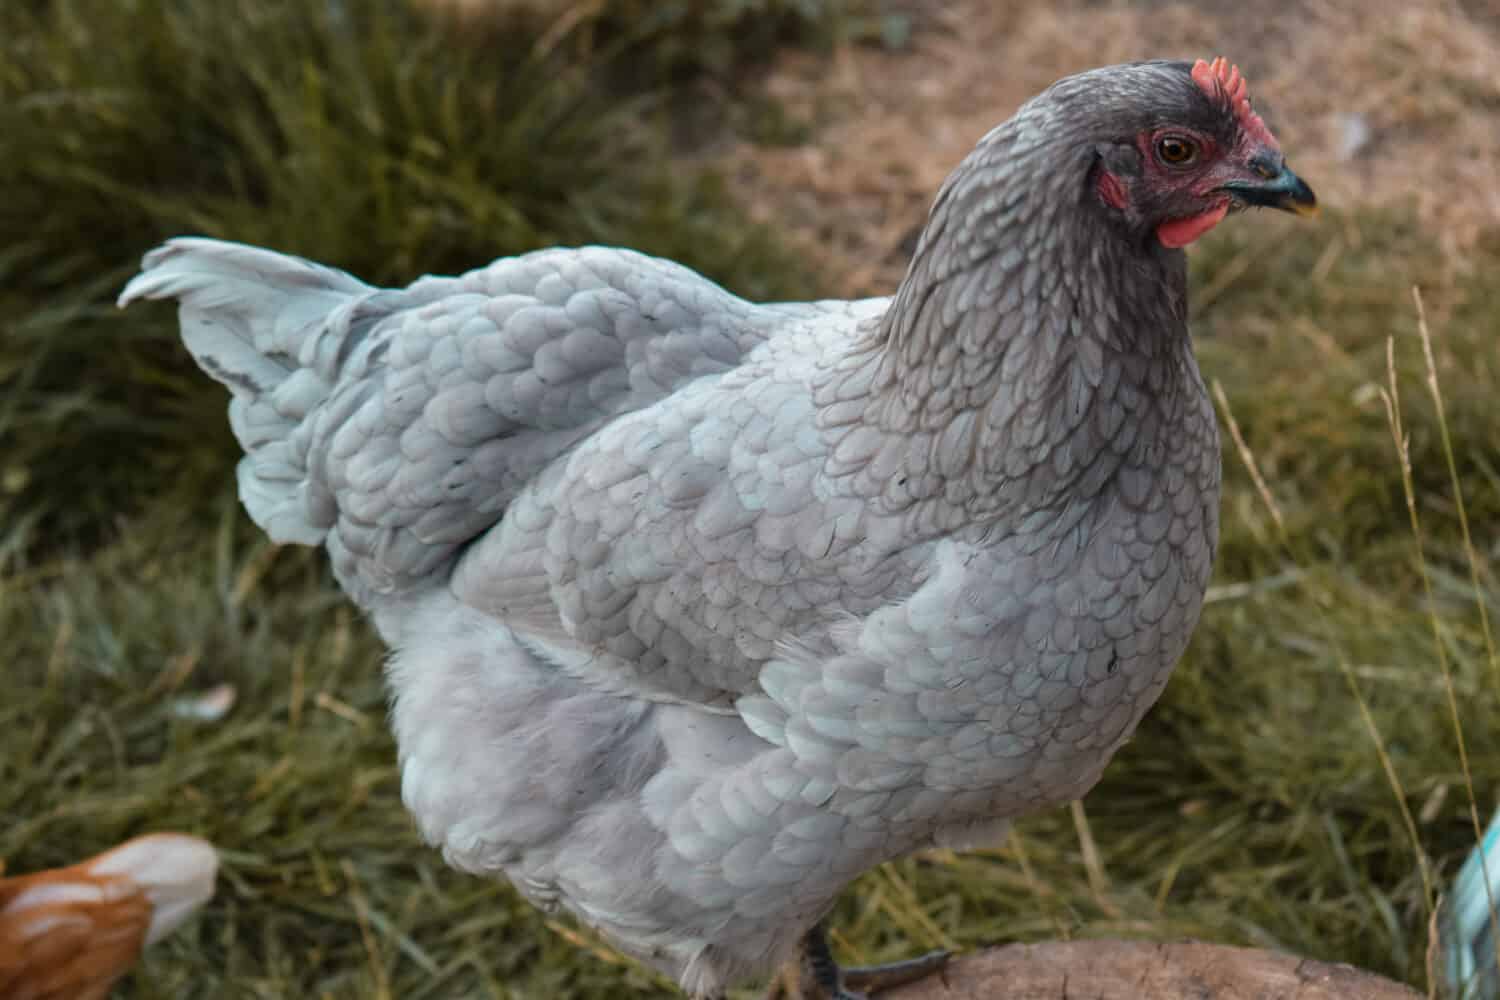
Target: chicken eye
column 1176, row 150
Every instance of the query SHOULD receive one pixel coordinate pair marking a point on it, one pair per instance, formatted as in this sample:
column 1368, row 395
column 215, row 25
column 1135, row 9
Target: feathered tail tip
column 175, row 871
column 70, row 933
column 274, row 329
column 1466, row 922
column 189, row 264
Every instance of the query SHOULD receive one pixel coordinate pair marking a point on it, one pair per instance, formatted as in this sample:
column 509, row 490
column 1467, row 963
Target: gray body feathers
column 698, row 607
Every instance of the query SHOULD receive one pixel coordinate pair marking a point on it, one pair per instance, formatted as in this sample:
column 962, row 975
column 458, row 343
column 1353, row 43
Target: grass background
column 1299, row 787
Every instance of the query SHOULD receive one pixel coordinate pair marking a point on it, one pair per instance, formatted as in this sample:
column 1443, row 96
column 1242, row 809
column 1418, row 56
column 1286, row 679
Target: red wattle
column 1181, row 232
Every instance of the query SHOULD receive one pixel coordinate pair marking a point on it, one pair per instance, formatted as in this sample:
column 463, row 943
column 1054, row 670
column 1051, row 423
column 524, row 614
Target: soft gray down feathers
column 698, row 607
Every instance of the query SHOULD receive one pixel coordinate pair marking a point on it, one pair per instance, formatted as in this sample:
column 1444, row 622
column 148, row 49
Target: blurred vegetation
column 370, row 135
column 676, row 41
column 1253, row 806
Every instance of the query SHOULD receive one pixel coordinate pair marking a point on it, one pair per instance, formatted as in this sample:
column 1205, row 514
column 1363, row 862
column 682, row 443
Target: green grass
column 1252, row 807
column 376, row 140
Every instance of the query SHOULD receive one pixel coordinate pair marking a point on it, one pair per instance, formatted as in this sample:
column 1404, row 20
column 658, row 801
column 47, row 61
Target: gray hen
column 699, row 608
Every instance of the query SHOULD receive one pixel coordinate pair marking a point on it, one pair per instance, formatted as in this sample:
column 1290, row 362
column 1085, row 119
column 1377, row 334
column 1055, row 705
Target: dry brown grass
column 1423, row 79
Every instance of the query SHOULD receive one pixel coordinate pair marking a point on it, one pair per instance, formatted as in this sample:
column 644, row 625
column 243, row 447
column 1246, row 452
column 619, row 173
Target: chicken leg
column 814, row 975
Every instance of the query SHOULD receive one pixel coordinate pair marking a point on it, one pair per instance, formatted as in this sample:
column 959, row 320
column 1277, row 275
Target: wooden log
column 1145, row 970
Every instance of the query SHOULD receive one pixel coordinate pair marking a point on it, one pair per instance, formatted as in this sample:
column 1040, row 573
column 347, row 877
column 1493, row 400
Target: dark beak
column 1277, row 187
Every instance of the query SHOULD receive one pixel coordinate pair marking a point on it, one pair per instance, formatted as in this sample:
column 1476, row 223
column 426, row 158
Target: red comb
column 1222, row 82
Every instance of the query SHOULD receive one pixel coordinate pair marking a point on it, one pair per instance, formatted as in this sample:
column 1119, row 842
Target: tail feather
column 72, row 932
column 395, row 426
column 175, row 871
column 274, row 330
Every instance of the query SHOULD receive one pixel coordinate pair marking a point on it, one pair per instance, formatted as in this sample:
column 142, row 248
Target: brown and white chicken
column 73, row 932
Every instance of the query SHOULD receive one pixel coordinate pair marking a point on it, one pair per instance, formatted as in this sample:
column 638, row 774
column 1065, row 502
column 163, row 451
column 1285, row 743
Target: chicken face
column 1203, row 153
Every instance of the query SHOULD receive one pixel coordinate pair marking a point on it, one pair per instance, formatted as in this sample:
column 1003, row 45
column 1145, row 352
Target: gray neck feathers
column 1031, row 339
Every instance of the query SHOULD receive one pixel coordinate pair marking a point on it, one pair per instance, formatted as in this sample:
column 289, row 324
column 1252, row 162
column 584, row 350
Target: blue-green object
column 1466, row 929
